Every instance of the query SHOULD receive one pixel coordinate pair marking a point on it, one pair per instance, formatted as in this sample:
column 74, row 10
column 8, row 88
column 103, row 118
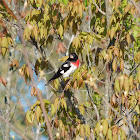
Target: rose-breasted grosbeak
column 68, row 67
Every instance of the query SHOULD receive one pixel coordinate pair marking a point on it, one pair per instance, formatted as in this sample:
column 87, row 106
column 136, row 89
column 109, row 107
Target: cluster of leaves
column 35, row 110
column 103, row 130
column 47, row 20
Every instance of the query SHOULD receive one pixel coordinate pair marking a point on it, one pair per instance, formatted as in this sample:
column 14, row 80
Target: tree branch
column 97, row 113
column 98, row 8
column 136, row 6
column 16, row 130
column 73, row 103
column 124, row 118
column 25, row 54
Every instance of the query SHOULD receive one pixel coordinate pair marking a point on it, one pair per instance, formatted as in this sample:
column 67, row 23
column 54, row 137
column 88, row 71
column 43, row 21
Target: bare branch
column 95, row 107
column 16, row 130
column 98, row 8
column 25, row 54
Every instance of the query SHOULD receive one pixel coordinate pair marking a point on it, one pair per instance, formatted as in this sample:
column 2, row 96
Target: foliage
column 98, row 46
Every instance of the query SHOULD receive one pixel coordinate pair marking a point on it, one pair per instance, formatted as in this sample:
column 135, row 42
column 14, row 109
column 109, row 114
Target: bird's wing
column 64, row 67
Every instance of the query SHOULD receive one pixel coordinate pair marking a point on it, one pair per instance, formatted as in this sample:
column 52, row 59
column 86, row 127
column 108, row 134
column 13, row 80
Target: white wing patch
column 66, row 65
column 70, row 71
column 62, row 72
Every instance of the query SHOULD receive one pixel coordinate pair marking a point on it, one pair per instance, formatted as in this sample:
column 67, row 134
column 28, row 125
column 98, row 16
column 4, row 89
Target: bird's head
column 73, row 57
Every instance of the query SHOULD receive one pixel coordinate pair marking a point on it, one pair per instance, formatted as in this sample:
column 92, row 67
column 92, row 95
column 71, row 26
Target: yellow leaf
column 122, row 65
column 41, row 32
column 121, row 81
column 63, row 59
column 38, row 112
column 123, row 135
column 82, row 109
column 76, row 42
column 63, row 103
column 89, row 39
column 126, row 84
column 60, row 30
column 97, row 128
column 10, row 40
column 4, row 43
column 26, row 33
column 39, row 3
column 131, row 82
column 46, row 102
column 56, row 102
column 114, row 65
column 115, row 137
column 112, row 32
column 105, row 127
column 3, row 51
column 35, row 32
column 128, row 38
column 80, row 9
column 30, row 117
column 109, row 134
column 52, row 109
column 87, row 128
column 138, row 75
column 82, row 131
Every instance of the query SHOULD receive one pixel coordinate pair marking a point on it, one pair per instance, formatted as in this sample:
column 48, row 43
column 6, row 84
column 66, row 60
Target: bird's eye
column 71, row 56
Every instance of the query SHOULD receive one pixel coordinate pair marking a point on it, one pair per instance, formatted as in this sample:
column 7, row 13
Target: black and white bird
column 68, row 67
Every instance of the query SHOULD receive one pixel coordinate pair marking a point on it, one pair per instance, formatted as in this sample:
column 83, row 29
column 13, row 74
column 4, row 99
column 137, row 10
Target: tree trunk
column 107, row 81
column 6, row 135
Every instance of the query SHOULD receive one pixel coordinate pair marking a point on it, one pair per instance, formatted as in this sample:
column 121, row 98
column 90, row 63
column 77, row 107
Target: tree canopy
column 101, row 98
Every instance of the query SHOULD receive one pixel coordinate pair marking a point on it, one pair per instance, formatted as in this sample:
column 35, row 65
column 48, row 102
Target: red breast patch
column 76, row 63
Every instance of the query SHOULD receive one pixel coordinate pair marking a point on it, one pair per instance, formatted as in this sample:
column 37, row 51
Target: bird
column 67, row 68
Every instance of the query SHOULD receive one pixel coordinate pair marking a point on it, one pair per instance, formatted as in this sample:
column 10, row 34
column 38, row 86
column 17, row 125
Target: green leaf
column 117, row 85
column 86, row 3
column 109, row 134
column 30, row 115
column 52, row 110
column 46, row 101
column 39, row 3
column 65, row 2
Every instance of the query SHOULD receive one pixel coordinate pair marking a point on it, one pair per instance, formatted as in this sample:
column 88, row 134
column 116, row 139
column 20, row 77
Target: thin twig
column 95, row 107
column 134, row 68
column 25, row 53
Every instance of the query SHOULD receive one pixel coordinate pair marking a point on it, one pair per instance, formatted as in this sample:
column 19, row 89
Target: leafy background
column 102, row 100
